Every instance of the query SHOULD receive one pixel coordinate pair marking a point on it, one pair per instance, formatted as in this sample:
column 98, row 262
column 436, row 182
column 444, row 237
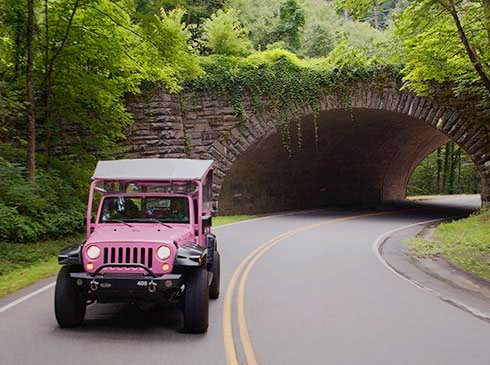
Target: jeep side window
column 196, row 211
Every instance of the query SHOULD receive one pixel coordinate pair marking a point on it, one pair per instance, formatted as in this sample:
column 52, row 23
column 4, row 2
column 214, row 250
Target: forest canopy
column 76, row 62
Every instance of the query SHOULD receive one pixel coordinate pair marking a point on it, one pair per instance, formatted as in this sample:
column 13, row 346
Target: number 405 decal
column 142, row 283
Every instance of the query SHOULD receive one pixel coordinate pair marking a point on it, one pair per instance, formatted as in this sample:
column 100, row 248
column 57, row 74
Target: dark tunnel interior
column 362, row 157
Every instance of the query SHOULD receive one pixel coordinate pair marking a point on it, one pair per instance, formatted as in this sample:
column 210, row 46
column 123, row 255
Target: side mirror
column 207, row 221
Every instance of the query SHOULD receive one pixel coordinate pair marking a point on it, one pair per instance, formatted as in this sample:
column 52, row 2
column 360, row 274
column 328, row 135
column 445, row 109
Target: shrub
column 224, row 34
column 33, row 211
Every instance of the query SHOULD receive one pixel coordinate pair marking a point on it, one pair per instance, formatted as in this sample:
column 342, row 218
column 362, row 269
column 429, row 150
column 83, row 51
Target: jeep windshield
column 141, row 209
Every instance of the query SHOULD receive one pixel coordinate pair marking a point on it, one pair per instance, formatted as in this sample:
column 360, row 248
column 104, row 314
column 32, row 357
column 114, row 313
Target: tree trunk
column 48, row 72
column 471, row 52
column 46, row 87
column 445, row 169
column 18, row 46
column 375, row 14
column 452, row 168
column 439, row 170
column 459, row 158
column 31, row 121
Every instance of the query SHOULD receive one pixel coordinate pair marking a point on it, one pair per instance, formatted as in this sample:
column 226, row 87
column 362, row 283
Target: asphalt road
column 315, row 295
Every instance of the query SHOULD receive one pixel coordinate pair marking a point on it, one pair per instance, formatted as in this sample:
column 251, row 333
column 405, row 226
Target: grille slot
column 128, row 255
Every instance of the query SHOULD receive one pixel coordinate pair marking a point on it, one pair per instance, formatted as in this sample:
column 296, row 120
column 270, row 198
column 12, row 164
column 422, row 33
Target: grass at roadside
column 432, row 197
column 226, row 219
column 22, row 264
column 465, row 243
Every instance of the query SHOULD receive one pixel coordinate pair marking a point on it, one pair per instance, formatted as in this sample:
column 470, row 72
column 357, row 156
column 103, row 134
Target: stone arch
column 441, row 124
column 204, row 125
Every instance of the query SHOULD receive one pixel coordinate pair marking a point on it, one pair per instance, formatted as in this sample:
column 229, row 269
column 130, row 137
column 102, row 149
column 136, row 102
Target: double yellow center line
column 244, row 269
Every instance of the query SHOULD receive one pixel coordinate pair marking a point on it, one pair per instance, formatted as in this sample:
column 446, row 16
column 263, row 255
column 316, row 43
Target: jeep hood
column 142, row 233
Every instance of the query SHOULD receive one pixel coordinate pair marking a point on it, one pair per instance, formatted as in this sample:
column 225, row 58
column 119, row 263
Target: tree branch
column 63, row 42
column 473, row 56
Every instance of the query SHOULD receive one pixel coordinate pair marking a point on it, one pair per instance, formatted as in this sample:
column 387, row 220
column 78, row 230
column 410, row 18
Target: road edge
column 377, row 247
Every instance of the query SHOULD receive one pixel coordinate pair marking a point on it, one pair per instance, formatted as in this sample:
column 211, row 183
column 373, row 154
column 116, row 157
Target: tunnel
column 360, row 157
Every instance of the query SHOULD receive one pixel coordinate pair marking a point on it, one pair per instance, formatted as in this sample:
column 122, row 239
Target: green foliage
column 357, row 8
column 24, row 264
column 11, row 104
column 323, row 28
column 434, row 51
column 446, row 171
column 224, row 35
column 464, row 242
column 227, row 219
column 291, row 21
column 196, row 10
column 320, row 43
column 259, row 17
column 279, row 81
column 30, row 212
column 89, row 58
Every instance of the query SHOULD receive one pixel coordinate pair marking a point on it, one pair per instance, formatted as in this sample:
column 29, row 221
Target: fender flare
column 71, row 255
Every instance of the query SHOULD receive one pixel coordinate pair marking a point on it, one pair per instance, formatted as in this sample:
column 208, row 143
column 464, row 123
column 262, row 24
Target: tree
column 259, row 17
column 224, row 35
column 448, row 170
column 447, row 41
column 31, row 121
column 84, row 57
column 320, row 42
column 359, row 9
column 291, row 21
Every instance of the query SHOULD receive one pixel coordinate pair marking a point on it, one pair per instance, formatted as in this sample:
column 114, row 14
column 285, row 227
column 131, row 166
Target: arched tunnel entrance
column 363, row 156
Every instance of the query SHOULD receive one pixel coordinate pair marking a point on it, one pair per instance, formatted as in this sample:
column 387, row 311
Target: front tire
column 69, row 308
column 215, row 283
column 196, row 302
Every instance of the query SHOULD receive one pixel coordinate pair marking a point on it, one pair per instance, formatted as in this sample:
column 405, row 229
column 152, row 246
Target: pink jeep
column 149, row 240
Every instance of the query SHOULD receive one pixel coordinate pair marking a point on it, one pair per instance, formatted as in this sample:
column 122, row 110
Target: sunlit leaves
column 434, row 51
column 224, row 35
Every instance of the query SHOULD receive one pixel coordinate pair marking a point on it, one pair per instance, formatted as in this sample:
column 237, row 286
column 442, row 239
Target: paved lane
column 318, row 297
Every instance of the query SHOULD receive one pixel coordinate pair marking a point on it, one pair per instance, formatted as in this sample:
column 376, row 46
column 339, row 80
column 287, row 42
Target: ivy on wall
column 279, row 82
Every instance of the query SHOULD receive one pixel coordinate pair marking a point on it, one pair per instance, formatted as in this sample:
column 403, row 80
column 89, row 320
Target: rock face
column 363, row 153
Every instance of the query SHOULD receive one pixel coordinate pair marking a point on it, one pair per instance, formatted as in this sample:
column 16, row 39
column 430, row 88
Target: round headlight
column 163, row 252
column 93, row 252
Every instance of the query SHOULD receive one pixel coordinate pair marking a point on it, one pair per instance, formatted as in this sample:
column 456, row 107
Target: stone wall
column 364, row 154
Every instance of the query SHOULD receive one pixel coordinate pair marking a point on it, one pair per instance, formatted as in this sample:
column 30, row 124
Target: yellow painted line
column 231, row 357
column 249, row 262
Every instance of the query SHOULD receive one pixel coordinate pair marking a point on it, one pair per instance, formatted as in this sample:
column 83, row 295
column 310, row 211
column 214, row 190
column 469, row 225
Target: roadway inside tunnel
column 363, row 156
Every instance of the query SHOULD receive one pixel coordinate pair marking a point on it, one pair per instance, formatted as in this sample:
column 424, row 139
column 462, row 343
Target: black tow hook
column 94, row 285
column 152, row 287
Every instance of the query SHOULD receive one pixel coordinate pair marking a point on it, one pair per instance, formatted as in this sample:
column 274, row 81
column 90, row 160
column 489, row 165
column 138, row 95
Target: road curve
column 313, row 292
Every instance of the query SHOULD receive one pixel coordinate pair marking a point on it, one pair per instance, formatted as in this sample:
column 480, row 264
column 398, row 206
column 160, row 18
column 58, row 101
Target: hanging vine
column 279, row 81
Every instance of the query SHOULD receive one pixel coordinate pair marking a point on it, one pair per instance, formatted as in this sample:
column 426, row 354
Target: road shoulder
column 437, row 276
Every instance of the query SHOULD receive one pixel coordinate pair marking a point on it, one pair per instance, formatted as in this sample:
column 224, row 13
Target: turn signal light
column 165, row 267
column 89, row 266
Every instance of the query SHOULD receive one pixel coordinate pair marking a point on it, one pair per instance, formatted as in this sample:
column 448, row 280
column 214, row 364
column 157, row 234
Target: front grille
column 128, row 255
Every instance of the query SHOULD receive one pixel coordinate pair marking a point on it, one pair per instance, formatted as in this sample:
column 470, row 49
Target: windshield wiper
column 156, row 221
column 119, row 221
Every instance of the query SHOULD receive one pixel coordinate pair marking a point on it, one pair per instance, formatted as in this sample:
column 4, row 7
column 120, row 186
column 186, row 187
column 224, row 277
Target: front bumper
column 129, row 286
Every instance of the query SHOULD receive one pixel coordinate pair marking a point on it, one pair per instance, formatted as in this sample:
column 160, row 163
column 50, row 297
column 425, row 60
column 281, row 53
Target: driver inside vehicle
column 131, row 210
column 179, row 210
